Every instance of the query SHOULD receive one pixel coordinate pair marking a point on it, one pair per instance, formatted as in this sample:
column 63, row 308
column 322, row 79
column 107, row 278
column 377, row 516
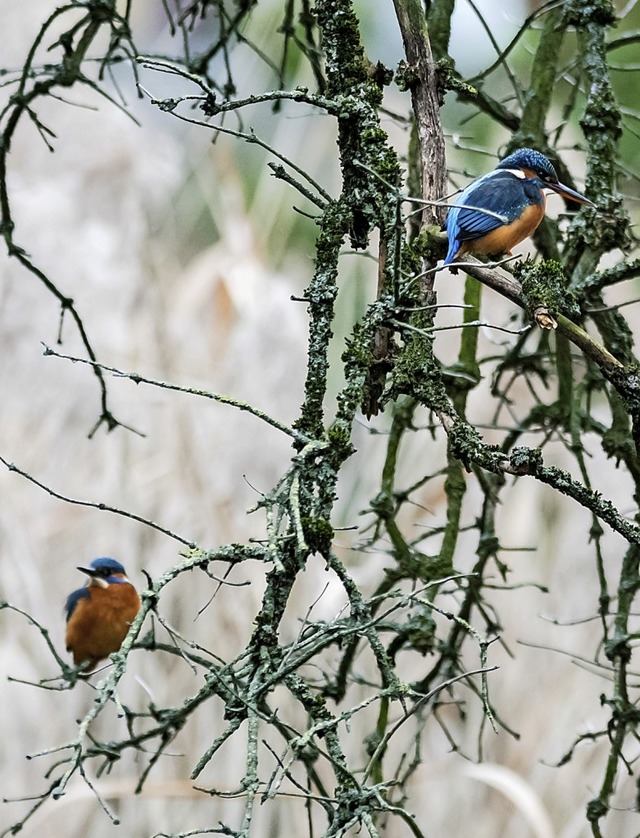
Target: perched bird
column 99, row 615
column 500, row 209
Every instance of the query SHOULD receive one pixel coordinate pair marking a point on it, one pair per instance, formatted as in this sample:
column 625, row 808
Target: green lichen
column 380, row 75
column 627, row 384
column 318, row 534
column 339, row 436
column 429, row 245
column 364, row 146
column 526, row 460
column 420, row 632
column 416, row 371
column 345, row 59
column 601, row 229
column 467, row 445
column 407, row 76
column 544, row 284
column 581, row 14
column 449, row 79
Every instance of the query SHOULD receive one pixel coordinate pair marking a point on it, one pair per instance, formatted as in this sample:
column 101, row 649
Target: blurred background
column 182, row 256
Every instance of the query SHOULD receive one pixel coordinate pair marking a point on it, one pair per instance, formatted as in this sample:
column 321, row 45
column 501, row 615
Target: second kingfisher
column 501, row 209
column 99, row 615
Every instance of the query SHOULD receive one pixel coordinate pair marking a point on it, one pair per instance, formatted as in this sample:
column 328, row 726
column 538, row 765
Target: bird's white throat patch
column 99, row 581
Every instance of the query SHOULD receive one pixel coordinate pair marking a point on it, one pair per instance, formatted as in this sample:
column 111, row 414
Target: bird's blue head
column 533, row 164
column 531, row 160
column 104, row 570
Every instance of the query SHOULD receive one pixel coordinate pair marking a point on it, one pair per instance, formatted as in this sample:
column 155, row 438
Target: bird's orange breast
column 503, row 238
column 100, row 622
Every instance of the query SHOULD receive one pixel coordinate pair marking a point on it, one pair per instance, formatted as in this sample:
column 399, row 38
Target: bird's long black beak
column 570, row 194
column 88, row 570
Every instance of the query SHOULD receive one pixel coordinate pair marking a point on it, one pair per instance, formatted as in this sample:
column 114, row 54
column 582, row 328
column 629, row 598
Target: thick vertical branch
column 623, row 709
column 425, row 99
column 542, row 84
column 321, row 296
column 370, row 170
column 608, row 228
column 531, row 131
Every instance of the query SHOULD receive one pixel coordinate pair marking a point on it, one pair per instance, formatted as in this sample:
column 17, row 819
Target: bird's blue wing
column 73, row 599
column 485, row 205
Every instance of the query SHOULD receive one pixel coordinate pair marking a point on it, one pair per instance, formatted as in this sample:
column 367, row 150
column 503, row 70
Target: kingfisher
column 504, row 207
column 100, row 613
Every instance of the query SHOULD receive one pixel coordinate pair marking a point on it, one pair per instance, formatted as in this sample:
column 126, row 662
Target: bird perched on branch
column 502, row 208
column 99, row 615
